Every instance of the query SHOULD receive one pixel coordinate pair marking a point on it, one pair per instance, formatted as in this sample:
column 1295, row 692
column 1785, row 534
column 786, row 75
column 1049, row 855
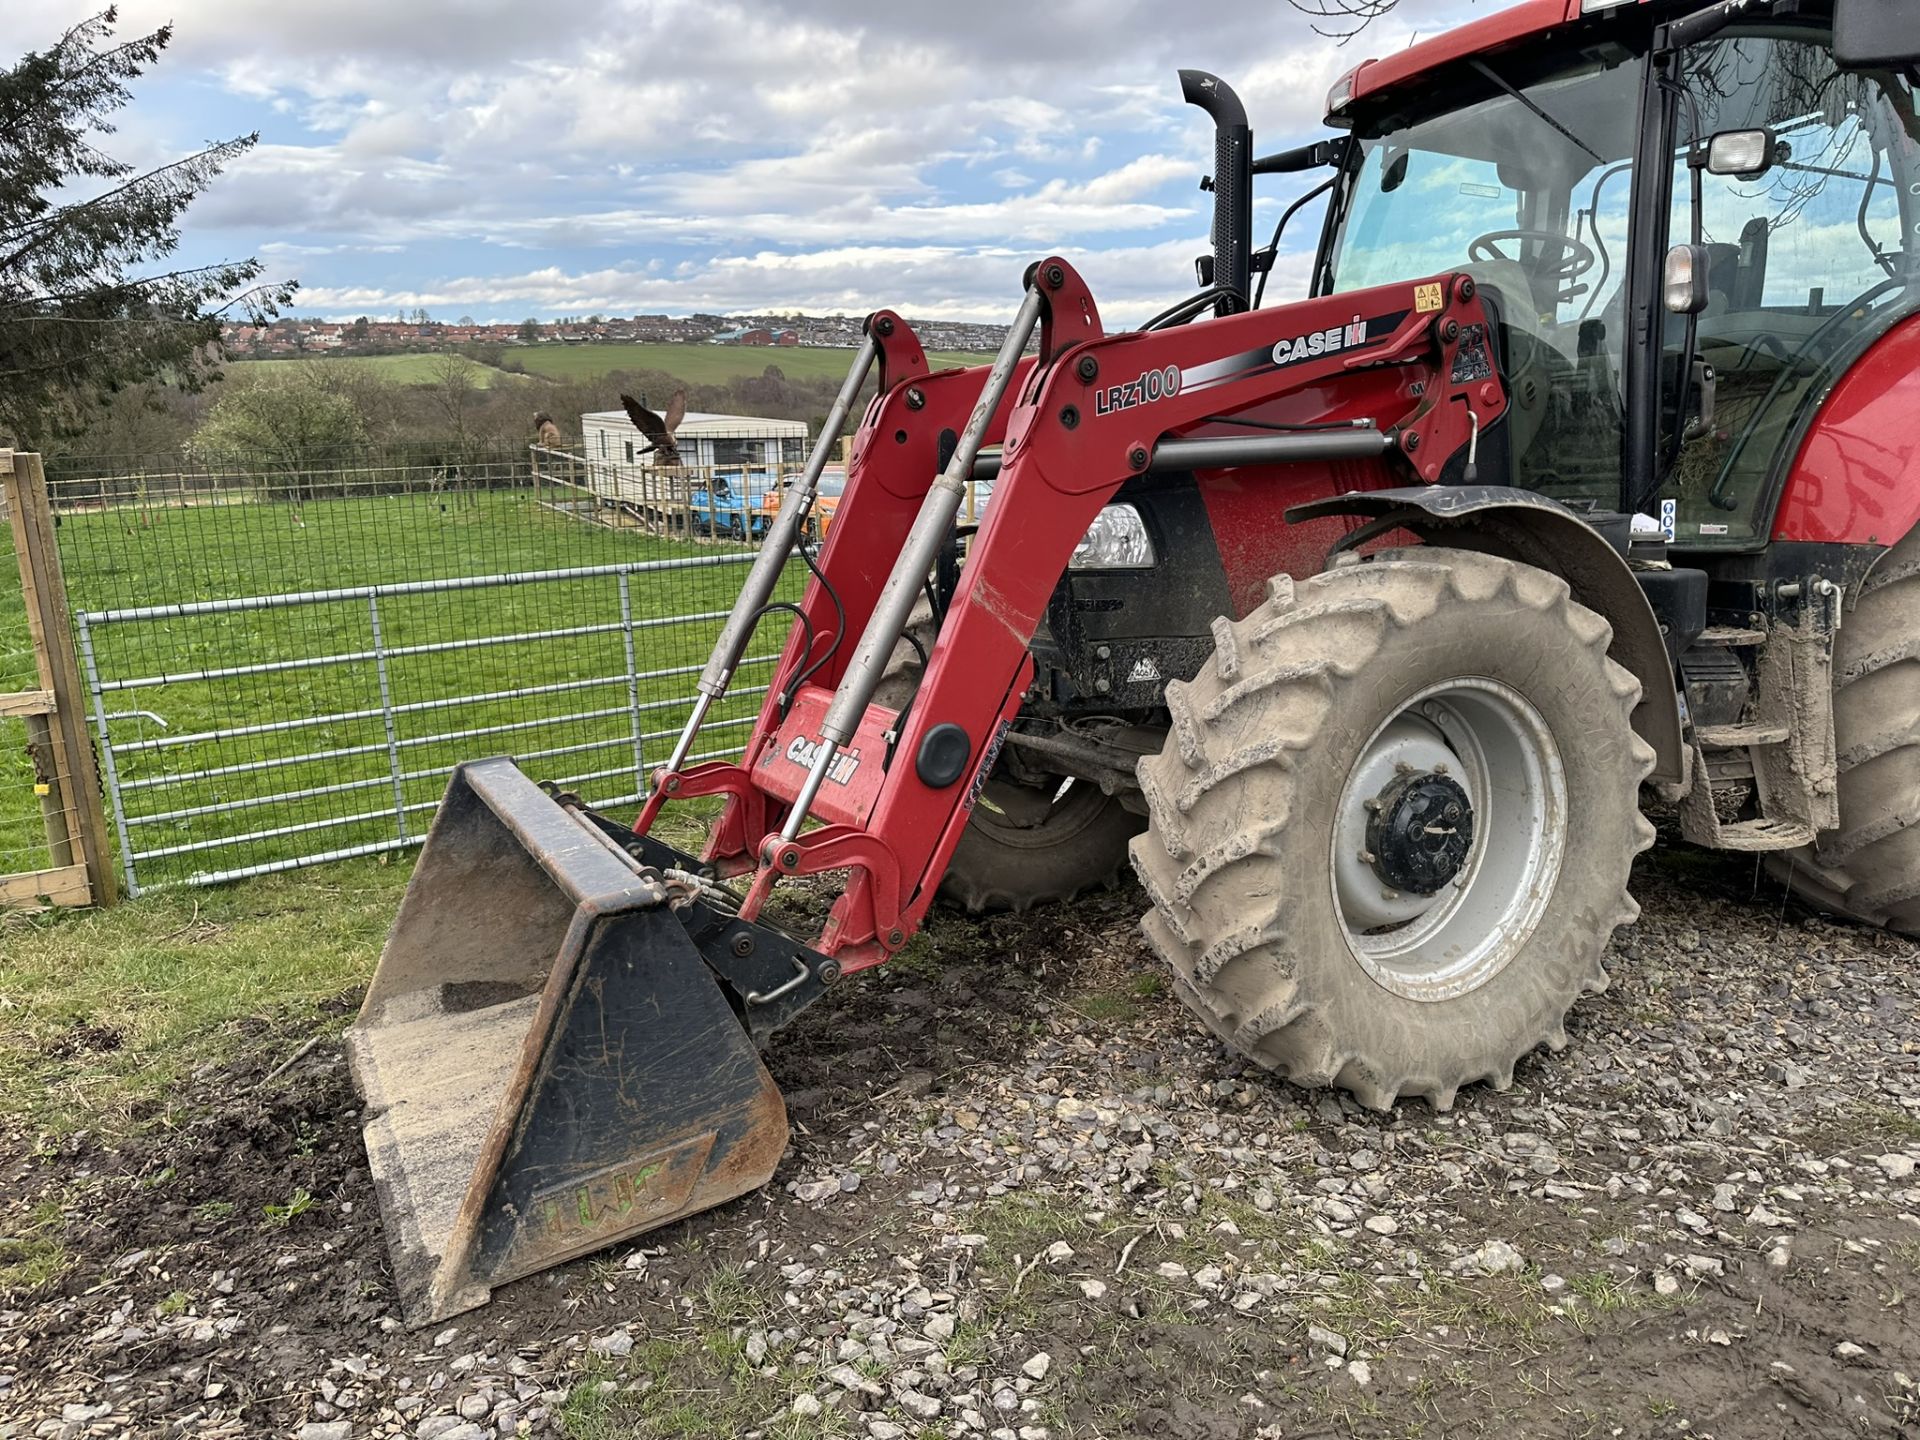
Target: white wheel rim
column 1487, row 739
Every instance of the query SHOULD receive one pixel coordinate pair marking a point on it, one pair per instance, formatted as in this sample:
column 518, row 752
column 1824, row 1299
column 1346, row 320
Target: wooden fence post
column 83, row 821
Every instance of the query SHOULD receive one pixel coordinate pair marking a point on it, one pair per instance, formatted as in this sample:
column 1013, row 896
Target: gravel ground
column 1029, row 1199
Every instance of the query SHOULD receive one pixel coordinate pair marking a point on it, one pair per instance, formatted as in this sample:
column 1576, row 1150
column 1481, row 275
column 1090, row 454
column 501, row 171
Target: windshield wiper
column 1487, row 70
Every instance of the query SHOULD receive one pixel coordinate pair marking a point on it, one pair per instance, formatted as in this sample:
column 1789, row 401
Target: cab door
column 1810, row 259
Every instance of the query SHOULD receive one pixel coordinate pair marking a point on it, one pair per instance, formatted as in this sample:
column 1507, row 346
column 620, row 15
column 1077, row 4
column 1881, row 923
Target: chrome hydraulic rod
column 775, row 550
column 931, row 527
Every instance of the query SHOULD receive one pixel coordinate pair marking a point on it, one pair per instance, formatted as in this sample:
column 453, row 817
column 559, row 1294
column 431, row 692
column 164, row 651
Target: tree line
column 295, row 415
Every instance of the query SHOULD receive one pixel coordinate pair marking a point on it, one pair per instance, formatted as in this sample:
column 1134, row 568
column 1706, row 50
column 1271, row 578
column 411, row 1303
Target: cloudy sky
column 504, row 158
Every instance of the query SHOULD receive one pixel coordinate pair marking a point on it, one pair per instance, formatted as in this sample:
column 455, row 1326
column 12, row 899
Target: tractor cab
column 1684, row 243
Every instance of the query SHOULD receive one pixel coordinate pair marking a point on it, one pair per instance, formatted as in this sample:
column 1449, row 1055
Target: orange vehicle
column 826, row 500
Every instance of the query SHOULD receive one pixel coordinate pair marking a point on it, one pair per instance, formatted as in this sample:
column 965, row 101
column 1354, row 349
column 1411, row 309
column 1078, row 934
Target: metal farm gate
column 413, row 739
column 245, row 728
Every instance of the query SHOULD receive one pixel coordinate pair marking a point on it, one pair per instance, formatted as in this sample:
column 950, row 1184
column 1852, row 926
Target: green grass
column 109, row 1008
column 29, row 1261
column 690, row 364
column 701, row 364
column 698, row 1387
column 132, row 555
column 398, row 369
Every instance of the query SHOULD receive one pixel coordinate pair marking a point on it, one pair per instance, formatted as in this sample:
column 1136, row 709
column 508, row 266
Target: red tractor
column 1585, row 477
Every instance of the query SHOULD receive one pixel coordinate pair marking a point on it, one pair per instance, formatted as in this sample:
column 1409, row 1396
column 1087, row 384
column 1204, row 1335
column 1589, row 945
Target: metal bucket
column 548, row 1064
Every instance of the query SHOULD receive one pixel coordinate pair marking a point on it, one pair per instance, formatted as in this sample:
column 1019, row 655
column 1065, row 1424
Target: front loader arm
column 1097, row 416
column 1091, row 412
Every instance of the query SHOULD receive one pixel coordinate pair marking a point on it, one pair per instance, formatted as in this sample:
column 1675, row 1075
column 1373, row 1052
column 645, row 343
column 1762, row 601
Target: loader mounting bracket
column 768, row 975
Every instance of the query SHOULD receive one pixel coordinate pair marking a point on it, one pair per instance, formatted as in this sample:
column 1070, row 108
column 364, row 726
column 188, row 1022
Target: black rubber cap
column 943, row 755
column 1422, row 833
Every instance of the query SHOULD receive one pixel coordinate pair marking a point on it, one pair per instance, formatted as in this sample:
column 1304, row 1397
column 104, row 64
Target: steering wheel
column 1562, row 257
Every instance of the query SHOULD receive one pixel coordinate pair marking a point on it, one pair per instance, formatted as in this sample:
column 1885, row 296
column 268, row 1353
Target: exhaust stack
column 1232, row 187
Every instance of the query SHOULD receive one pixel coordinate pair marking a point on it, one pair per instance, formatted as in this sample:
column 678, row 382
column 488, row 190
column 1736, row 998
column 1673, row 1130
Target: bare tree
column 1341, row 20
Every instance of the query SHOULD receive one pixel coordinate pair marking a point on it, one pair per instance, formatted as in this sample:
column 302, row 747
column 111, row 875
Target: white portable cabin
column 706, row 441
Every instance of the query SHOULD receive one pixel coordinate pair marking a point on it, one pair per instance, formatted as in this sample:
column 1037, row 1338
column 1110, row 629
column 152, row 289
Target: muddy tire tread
column 1223, row 789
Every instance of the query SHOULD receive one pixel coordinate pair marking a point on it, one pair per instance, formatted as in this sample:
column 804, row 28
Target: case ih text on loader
column 1586, row 477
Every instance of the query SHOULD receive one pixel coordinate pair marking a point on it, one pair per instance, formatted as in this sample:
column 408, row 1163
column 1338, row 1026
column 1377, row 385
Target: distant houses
column 291, row 338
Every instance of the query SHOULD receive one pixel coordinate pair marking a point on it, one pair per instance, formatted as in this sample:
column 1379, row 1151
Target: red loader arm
column 1402, row 369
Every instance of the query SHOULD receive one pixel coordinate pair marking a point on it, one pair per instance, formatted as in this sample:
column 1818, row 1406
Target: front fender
column 1534, row 530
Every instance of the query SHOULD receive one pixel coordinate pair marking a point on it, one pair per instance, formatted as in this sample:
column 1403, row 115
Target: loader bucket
column 548, row 1065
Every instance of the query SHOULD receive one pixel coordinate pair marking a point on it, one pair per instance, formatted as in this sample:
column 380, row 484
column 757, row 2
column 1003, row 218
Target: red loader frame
column 1415, row 380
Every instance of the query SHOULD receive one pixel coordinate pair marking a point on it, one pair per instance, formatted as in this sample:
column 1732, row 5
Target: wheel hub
column 1420, row 832
column 1447, row 837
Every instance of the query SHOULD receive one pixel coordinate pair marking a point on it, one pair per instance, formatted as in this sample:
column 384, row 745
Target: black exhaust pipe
column 1232, row 187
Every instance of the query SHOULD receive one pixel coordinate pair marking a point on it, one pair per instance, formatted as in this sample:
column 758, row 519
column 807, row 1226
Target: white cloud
column 699, row 154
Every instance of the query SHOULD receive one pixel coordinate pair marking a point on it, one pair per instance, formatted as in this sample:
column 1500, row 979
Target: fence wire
column 284, row 663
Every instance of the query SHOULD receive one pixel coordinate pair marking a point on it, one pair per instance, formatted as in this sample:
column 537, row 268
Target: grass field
column 693, row 364
column 400, row 369
column 331, row 744
column 701, row 364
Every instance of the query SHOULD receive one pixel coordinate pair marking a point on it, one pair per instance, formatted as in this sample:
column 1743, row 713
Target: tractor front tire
column 1392, row 827
column 1869, row 869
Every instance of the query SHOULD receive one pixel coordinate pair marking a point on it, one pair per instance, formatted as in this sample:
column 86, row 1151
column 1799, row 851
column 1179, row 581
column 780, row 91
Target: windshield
column 1525, row 182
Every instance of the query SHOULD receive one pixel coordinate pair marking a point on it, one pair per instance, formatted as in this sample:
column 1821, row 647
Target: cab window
column 1809, row 260
column 1523, row 178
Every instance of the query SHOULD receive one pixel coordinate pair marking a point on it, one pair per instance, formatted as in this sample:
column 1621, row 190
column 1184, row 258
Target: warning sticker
column 1428, row 297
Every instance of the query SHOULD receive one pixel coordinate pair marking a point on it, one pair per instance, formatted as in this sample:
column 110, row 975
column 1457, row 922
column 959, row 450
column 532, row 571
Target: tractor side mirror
column 1874, row 35
column 1746, row 153
column 1685, row 279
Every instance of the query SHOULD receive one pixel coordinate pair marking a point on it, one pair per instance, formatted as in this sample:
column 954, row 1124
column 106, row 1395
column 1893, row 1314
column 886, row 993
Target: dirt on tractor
column 1024, row 1198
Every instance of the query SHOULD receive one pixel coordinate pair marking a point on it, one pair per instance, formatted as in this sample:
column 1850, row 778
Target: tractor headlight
column 1117, row 540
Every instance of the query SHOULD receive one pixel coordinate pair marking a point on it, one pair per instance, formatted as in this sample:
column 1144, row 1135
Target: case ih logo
column 802, row 751
column 1315, row 343
column 1149, row 385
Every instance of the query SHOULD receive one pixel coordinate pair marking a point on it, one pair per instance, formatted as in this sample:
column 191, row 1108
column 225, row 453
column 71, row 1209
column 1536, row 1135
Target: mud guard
column 1537, row 531
column 548, row 1061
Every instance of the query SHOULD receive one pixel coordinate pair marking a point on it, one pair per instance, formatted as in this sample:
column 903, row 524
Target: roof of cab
column 1498, row 31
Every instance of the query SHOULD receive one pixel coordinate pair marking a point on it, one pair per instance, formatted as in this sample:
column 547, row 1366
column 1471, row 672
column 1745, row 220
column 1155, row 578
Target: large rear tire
column 1393, row 823
column 1024, row 845
column 1869, row 869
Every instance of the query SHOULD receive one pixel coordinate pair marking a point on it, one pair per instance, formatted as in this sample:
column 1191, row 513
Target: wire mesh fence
column 285, row 661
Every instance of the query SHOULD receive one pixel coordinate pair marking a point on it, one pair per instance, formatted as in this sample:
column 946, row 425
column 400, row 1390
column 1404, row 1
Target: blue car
column 730, row 504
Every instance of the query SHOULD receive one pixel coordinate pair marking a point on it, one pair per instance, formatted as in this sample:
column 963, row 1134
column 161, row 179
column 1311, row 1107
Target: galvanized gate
column 329, row 750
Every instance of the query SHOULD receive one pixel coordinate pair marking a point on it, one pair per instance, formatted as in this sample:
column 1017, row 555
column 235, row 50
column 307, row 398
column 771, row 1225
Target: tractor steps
column 1730, row 635
column 1738, row 737
column 1753, row 835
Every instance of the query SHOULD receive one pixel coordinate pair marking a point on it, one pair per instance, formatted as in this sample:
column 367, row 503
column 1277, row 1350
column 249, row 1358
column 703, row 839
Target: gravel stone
column 1322, row 1341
